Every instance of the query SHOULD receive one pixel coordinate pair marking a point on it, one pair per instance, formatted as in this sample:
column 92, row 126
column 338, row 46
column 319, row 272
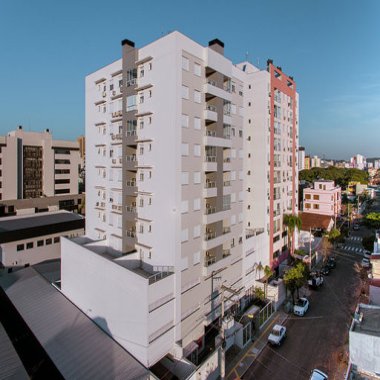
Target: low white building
column 365, row 340
column 27, row 240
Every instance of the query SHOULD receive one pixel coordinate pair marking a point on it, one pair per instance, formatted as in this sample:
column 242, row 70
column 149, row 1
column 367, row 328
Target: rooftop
column 370, row 321
column 313, row 221
column 14, row 228
column 78, row 348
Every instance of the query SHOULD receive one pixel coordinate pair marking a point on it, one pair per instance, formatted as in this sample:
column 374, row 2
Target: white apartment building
column 33, row 165
column 169, row 217
column 301, row 158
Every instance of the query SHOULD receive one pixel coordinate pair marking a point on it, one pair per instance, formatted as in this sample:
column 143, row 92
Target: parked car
column 365, row 263
column 331, row 262
column 367, row 254
column 317, row 374
column 315, row 280
column 301, row 307
column 277, row 335
column 325, row 270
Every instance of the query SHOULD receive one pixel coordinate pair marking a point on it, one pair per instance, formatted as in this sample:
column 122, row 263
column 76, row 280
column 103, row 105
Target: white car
column 365, row 263
column 277, row 335
column 301, row 307
column 318, row 375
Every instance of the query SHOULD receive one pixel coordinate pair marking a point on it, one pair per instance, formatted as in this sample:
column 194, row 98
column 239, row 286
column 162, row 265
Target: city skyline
column 326, row 47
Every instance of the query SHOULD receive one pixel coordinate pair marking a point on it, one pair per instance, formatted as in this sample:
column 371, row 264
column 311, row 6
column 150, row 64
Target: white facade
column 167, row 186
column 301, row 158
column 35, row 165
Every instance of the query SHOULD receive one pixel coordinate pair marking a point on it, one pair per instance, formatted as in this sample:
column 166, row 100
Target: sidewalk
column 240, row 364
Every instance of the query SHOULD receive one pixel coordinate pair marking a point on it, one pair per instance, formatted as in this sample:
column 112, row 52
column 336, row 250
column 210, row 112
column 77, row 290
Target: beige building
column 34, row 165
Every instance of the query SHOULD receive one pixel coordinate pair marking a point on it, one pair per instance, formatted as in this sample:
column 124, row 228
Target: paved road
column 319, row 339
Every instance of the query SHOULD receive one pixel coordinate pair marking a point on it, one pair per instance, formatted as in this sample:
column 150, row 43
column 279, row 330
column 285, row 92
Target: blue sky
column 330, row 47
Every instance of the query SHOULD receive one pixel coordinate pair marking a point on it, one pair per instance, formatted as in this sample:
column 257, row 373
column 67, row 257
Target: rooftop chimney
column 217, row 45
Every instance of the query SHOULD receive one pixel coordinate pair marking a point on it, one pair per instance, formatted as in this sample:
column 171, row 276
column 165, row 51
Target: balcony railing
column 131, row 183
column 211, row 133
column 210, row 184
column 210, row 235
column 211, row 108
column 132, row 132
column 227, row 159
column 131, row 208
column 227, row 183
column 131, row 233
column 117, row 207
column 210, row 158
column 131, row 158
column 209, row 261
column 210, row 210
column 253, row 232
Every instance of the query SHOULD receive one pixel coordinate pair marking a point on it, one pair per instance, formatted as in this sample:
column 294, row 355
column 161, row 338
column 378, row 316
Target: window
column 185, row 92
column 184, row 235
column 197, row 96
column 185, row 149
column 316, row 207
column 48, row 241
column 197, row 123
column 56, row 240
column 29, row 245
column 307, row 196
column 197, row 177
column 197, row 69
column 316, row 197
column 197, row 204
column 20, row 247
column 185, row 63
column 185, row 178
column 40, row 243
column 197, row 231
column 197, row 150
column 196, row 258
column 307, row 205
column 185, row 121
column 184, row 207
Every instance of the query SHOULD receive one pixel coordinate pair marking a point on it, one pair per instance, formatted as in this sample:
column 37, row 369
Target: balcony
column 117, row 208
column 131, row 161
column 131, row 209
column 213, row 215
column 100, row 205
column 214, row 263
column 131, row 137
column 211, row 90
column 131, row 187
column 249, row 232
column 210, row 164
column 117, row 114
column 210, row 139
column 116, row 137
column 210, row 189
column 117, row 161
column 227, row 164
column 210, row 114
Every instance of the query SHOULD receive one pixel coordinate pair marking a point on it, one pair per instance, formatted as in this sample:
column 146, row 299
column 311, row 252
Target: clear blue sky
column 330, row 47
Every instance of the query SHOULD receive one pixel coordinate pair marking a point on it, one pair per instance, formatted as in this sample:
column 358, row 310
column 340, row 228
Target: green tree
column 333, row 236
column 259, row 268
column 259, row 294
column 268, row 274
column 295, row 278
column 292, row 222
column 373, row 220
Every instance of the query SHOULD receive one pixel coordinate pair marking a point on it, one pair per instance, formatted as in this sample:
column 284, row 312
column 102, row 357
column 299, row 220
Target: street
column 320, row 338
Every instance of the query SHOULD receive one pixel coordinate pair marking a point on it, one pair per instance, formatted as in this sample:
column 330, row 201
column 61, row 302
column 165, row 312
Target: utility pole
column 310, row 249
column 223, row 351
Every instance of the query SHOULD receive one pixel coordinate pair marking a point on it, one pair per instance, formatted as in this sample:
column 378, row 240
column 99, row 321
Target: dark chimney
column 127, row 42
column 217, row 45
column 20, row 127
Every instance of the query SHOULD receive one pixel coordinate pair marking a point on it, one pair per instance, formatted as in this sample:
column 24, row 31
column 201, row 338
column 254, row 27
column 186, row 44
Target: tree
column 333, row 236
column 295, row 278
column 368, row 241
column 373, row 220
column 259, row 268
column 268, row 274
column 259, row 294
column 292, row 222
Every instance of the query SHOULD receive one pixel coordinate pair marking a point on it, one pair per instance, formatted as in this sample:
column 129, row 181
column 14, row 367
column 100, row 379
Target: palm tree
column 268, row 274
column 259, row 267
column 292, row 222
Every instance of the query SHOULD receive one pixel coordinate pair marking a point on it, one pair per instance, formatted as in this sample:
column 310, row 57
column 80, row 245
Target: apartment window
column 197, row 231
column 185, row 92
column 197, row 123
column 197, row 150
column 62, row 191
column 185, row 121
column 150, row 228
column 307, row 196
column 316, row 197
column 197, row 204
column 61, row 181
column 184, row 235
column 197, row 96
column 142, row 72
column 316, row 207
column 40, row 243
column 48, row 241
column 60, row 162
column 197, row 69
column 185, row 63
column 141, row 177
column 141, row 150
column 185, row 178
column 197, row 177
column 141, row 203
column 185, row 149
column 141, row 228
column 20, row 247
column 56, row 240
column 141, row 99
column 150, row 66
column 184, row 207
column 307, row 205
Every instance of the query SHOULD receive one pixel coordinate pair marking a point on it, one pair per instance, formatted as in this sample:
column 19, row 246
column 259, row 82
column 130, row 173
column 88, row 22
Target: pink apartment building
column 323, row 199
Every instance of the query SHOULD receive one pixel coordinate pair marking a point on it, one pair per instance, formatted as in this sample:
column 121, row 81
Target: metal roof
column 11, row 366
column 76, row 345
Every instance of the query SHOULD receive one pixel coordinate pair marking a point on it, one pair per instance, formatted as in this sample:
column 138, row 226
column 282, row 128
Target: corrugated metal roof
column 10, row 364
column 77, row 346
